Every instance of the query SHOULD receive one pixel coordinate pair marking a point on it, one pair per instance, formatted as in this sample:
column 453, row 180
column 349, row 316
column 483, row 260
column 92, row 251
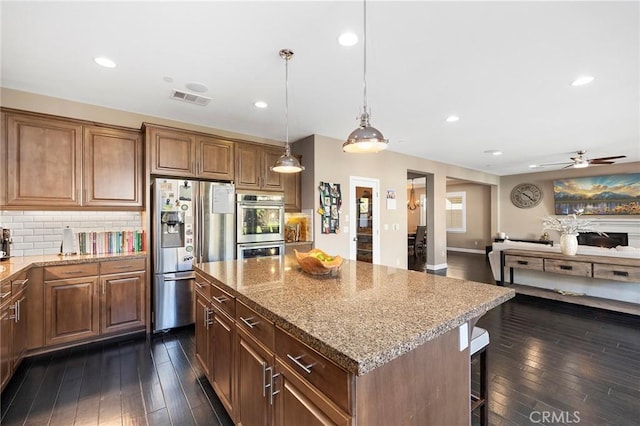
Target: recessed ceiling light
column 452, row 118
column 167, row 79
column 582, row 80
column 260, row 104
column 347, row 39
column 533, row 166
column 104, row 62
column 493, row 152
column 196, row 86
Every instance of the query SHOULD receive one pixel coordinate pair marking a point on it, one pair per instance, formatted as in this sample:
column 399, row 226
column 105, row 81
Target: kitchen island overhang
column 374, row 322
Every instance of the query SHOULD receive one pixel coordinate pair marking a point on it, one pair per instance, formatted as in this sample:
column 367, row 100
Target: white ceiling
column 504, row 68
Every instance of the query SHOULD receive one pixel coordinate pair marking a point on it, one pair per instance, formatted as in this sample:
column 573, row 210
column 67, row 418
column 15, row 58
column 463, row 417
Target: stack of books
column 111, row 242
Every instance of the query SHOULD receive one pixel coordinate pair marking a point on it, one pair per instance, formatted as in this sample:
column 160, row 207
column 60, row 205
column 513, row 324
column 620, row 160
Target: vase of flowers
column 569, row 226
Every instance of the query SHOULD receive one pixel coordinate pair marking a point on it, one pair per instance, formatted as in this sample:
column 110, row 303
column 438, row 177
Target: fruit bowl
column 317, row 262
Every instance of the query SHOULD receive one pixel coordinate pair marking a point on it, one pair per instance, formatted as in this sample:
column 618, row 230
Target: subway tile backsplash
column 40, row 232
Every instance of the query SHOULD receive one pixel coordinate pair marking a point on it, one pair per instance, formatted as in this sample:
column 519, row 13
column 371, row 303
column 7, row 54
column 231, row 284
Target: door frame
column 374, row 184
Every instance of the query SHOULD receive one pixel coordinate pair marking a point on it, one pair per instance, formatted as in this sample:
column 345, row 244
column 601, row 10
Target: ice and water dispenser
column 173, row 229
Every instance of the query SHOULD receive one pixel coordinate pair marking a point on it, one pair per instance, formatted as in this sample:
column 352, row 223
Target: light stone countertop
column 17, row 264
column 362, row 317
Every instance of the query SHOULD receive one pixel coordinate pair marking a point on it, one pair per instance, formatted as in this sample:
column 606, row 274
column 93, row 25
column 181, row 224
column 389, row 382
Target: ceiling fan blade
column 607, row 158
column 601, row 162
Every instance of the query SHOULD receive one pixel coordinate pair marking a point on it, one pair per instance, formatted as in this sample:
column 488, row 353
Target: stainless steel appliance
column 192, row 220
column 5, row 243
column 260, row 225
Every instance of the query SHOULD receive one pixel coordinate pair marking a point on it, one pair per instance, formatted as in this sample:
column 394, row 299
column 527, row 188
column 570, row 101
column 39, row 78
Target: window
column 456, row 211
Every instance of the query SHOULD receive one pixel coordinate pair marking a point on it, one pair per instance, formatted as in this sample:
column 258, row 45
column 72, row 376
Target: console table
column 605, row 267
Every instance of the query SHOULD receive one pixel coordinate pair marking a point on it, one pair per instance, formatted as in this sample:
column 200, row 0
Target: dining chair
column 419, row 246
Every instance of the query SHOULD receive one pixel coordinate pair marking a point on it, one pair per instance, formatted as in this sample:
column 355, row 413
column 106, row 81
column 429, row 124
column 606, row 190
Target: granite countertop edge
column 16, row 265
column 362, row 366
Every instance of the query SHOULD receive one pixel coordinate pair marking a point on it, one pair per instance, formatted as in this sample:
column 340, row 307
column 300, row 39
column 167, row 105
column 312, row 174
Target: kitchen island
column 368, row 345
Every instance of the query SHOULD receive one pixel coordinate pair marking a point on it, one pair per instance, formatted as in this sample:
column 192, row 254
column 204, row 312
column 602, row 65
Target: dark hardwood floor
column 549, row 363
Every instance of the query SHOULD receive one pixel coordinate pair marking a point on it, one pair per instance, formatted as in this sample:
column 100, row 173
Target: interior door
column 364, row 219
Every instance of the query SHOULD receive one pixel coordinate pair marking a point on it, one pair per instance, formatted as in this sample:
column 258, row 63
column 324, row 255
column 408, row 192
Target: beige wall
column 333, row 165
column 478, row 202
column 10, row 98
column 527, row 223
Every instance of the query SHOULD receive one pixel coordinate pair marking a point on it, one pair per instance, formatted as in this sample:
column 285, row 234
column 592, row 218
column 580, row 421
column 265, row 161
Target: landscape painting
column 598, row 195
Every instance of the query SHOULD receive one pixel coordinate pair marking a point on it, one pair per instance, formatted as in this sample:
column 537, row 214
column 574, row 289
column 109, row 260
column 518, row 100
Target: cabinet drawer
column 568, row 267
column 616, row 272
column 203, row 287
column 5, row 291
column 70, row 271
column 19, row 282
column 223, row 300
column 118, row 266
column 524, row 262
column 256, row 325
column 327, row 377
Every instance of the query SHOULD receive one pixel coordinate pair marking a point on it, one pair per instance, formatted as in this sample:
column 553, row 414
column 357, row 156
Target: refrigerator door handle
column 179, row 278
column 200, row 229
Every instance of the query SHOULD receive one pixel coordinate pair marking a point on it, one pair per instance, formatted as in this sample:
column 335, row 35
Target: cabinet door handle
column 20, row 282
column 621, row 273
column 264, row 379
column 104, row 288
column 522, row 262
column 3, row 295
column 249, row 322
column 220, row 299
column 18, row 303
column 296, row 360
column 566, row 267
column 14, row 317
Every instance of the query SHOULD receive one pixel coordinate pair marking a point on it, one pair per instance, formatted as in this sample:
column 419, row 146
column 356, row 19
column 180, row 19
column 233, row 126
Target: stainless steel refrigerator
column 192, row 220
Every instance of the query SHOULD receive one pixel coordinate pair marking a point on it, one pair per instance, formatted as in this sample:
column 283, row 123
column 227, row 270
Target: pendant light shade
column 287, row 163
column 365, row 138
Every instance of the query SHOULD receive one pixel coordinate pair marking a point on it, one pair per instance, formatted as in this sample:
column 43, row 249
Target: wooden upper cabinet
column 293, row 190
column 173, row 153
column 43, row 161
column 215, row 159
column 252, row 167
column 181, row 153
column 113, row 167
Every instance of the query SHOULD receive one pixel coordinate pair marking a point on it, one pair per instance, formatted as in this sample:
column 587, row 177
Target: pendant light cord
column 286, row 57
column 364, row 43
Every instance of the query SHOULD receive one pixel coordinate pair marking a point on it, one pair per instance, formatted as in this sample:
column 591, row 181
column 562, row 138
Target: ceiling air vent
column 189, row 97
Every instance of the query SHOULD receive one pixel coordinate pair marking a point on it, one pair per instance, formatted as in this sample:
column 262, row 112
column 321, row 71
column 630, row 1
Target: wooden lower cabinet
column 122, row 305
column 222, row 358
column 71, row 309
column 298, row 403
column 203, row 333
column 254, row 364
column 6, row 343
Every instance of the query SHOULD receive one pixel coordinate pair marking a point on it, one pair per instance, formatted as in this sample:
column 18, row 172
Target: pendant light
column 365, row 138
column 287, row 163
column 412, row 204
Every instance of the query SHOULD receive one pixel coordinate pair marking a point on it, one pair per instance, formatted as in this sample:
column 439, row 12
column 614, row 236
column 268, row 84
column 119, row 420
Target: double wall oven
column 260, row 225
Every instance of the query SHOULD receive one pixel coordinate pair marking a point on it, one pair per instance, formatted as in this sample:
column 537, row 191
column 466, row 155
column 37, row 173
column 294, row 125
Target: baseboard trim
column 436, row 267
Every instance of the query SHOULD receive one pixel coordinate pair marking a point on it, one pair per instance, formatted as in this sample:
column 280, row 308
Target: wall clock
column 526, row 195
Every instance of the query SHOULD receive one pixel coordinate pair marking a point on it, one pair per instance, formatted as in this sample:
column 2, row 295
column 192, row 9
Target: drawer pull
column 249, row 322
column 621, row 273
column 296, row 360
column 3, row 295
column 20, row 282
column 200, row 285
column 121, row 267
column 523, row 262
column 566, row 267
column 220, row 299
column 72, row 272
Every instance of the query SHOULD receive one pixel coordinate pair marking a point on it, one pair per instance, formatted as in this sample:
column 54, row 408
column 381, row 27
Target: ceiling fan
column 582, row 161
